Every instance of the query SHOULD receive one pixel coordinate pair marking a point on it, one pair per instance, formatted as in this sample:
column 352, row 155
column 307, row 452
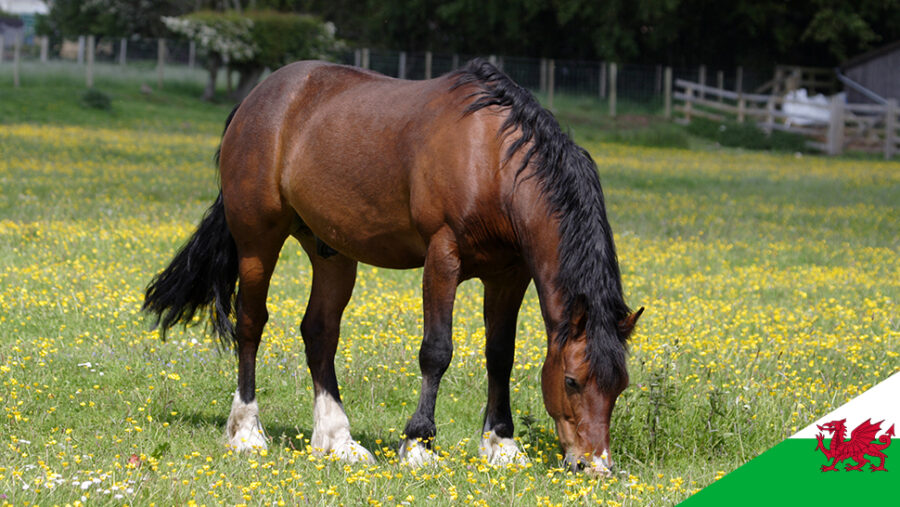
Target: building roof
column 12, row 22
column 871, row 55
column 24, row 6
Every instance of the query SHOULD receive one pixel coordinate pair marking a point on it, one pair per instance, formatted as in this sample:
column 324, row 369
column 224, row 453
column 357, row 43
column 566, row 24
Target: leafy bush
column 745, row 135
column 264, row 38
column 787, row 141
column 95, row 99
column 255, row 40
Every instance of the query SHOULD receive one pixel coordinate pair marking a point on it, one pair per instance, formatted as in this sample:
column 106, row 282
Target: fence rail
column 831, row 127
column 606, row 81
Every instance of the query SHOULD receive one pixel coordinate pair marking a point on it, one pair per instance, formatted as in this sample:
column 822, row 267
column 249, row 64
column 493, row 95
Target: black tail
column 202, row 275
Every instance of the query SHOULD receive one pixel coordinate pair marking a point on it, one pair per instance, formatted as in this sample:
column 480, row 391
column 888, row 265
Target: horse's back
column 372, row 165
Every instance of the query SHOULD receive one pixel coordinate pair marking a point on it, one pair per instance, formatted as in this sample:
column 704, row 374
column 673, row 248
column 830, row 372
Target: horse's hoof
column 248, row 440
column 415, row 454
column 353, row 452
column 244, row 430
column 501, row 451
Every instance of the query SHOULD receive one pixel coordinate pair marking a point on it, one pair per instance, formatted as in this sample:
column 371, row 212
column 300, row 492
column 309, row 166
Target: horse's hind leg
column 502, row 299
column 332, row 286
column 257, row 252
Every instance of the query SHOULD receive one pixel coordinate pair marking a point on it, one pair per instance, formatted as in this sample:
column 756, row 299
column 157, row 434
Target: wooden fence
column 793, row 77
column 831, row 128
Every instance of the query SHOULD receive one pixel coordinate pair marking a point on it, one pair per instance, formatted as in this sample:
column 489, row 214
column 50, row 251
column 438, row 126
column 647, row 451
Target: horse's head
column 580, row 404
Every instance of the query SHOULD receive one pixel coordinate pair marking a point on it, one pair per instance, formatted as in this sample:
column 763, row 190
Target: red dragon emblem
column 860, row 444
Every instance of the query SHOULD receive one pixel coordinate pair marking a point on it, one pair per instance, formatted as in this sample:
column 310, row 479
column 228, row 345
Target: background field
column 770, row 282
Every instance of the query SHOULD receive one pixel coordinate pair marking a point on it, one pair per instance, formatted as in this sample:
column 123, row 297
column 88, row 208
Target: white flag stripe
column 880, row 403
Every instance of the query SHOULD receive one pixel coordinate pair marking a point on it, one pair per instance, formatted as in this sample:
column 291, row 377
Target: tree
column 117, row 18
column 253, row 41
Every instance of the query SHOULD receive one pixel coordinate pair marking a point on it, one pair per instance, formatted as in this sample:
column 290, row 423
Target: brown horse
column 465, row 175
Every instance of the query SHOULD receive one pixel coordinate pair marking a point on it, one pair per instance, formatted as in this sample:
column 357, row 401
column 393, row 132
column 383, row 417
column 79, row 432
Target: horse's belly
column 394, row 250
column 372, row 231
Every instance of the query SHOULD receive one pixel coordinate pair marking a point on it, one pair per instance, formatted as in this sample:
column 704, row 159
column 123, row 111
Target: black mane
column 589, row 270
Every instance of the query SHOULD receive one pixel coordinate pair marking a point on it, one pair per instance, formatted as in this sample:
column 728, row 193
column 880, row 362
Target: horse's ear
column 626, row 326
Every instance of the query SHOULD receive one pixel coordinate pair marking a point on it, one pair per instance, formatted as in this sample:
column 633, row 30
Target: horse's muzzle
column 595, row 466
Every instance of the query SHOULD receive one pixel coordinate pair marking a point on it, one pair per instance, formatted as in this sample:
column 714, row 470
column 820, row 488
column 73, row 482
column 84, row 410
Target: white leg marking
column 415, row 453
column 244, row 430
column 331, row 432
column 501, row 451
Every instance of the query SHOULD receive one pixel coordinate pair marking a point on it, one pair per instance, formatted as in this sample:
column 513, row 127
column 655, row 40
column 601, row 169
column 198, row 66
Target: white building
column 23, row 6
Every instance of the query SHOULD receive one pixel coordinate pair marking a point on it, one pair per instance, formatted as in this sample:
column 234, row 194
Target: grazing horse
column 465, row 175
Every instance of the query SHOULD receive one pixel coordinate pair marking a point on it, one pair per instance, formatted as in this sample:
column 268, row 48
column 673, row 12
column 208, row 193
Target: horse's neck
column 541, row 252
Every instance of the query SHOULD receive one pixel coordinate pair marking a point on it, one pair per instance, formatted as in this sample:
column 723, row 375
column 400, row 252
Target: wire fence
column 637, row 83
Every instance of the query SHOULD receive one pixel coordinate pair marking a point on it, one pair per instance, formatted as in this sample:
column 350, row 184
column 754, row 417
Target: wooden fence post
column 161, row 62
column 720, row 83
column 89, row 72
column 123, row 51
column 835, row 139
column 542, row 86
column 779, row 78
column 365, row 58
column 890, row 129
column 401, row 66
column 602, row 80
column 742, row 107
column 668, row 93
column 17, row 57
column 551, row 82
column 81, row 50
column 192, row 54
column 428, row 65
column 659, row 79
column 701, row 78
column 688, row 103
column 613, row 71
column 770, row 115
column 45, row 48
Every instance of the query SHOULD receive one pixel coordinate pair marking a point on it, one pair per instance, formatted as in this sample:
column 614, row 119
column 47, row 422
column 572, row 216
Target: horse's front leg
column 502, row 299
column 439, row 282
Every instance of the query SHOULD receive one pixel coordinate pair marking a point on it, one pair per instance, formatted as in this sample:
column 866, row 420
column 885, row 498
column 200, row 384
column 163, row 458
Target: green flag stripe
column 790, row 474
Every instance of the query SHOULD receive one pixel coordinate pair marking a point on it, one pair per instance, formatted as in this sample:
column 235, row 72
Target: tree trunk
column 249, row 76
column 213, row 62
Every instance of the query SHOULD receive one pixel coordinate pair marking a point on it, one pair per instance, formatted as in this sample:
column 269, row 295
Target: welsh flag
column 844, row 458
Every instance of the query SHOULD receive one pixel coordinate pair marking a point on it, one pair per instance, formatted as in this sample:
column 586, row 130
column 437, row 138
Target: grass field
column 770, row 283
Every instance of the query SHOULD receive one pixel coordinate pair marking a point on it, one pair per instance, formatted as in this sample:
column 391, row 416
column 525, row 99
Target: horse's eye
column 572, row 384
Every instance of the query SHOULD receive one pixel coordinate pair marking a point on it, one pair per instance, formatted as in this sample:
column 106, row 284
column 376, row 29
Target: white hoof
column 331, row 433
column 501, row 451
column 415, row 453
column 353, row 452
column 244, row 430
column 349, row 451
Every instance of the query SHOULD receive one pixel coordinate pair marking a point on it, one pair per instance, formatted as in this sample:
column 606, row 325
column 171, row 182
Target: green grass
column 769, row 282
